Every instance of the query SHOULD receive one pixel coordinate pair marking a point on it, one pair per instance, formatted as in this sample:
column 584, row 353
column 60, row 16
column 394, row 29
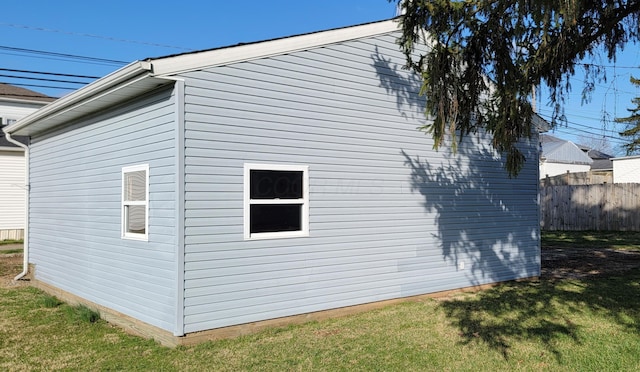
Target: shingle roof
column 593, row 153
column 13, row 92
column 602, row 164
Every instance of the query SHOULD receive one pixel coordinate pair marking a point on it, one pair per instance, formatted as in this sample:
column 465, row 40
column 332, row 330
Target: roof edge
column 97, row 87
column 179, row 63
column 39, row 101
column 540, row 123
column 626, row 157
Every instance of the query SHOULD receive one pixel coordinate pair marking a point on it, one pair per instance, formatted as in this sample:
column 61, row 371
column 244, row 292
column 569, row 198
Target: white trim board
column 240, row 53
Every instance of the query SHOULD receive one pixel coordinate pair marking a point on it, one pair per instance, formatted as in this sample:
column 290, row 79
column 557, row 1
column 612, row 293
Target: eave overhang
column 116, row 87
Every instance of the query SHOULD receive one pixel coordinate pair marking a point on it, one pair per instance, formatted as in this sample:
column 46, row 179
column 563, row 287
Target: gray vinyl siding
column 389, row 217
column 75, row 209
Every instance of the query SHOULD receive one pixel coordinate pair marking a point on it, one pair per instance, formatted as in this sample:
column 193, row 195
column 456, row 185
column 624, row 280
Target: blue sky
column 132, row 30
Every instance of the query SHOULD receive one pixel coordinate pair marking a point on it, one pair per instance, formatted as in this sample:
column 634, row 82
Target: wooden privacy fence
column 614, row 207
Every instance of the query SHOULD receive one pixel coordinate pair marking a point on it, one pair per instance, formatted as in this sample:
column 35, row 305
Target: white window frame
column 304, row 201
column 124, row 204
column 6, row 121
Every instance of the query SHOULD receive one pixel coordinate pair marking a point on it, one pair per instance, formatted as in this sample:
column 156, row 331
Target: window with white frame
column 6, row 121
column 276, row 201
column 135, row 202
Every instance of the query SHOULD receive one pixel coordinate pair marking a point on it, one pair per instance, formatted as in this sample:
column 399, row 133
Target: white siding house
column 626, row 169
column 15, row 103
column 561, row 157
column 198, row 194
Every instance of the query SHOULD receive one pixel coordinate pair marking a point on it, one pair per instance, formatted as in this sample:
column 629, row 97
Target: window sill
column 139, row 237
column 277, row 235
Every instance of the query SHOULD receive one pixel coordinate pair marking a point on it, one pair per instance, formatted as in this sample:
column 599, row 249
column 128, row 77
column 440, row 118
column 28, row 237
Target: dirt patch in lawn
column 579, row 263
column 10, row 266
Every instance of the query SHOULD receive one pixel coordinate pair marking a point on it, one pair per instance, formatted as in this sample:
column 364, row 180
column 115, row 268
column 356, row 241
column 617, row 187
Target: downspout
column 25, row 263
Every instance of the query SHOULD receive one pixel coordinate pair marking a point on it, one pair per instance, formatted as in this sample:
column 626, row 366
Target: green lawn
column 10, row 241
column 591, row 239
column 586, row 325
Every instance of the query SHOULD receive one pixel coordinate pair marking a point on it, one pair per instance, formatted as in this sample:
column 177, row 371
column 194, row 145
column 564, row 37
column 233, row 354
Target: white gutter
column 25, row 262
column 91, row 91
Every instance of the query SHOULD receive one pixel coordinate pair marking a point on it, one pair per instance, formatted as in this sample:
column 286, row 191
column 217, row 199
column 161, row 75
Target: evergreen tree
column 633, row 125
column 480, row 59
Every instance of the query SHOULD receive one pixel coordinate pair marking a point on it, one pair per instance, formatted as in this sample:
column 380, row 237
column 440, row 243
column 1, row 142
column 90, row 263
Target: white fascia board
column 88, row 92
column 626, row 157
column 241, row 53
column 13, row 149
column 28, row 101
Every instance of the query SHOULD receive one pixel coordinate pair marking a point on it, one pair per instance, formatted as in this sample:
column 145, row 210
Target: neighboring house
column 600, row 171
column 561, row 157
column 15, row 103
column 601, row 161
column 626, row 169
column 211, row 193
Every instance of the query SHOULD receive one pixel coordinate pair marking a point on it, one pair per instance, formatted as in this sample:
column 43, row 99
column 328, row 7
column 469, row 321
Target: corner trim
column 180, row 205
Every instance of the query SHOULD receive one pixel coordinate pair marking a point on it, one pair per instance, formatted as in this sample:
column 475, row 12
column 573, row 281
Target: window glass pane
column 269, row 184
column 135, row 216
column 135, row 186
column 278, row 217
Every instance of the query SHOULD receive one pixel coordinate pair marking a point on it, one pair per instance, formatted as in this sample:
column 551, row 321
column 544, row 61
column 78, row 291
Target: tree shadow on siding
column 482, row 223
column 465, row 192
column 476, row 225
column 481, row 220
column 401, row 84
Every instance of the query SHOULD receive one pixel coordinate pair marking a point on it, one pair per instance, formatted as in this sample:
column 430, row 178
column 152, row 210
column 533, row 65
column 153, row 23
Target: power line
column 49, row 73
column 581, row 116
column 572, row 127
column 607, row 66
column 63, row 55
column 43, row 79
column 39, row 86
column 93, row 36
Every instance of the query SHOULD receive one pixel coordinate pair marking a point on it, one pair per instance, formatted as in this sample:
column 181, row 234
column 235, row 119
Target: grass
column 591, row 239
column 590, row 325
column 10, row 251
column 10, row 241
column 50, row 301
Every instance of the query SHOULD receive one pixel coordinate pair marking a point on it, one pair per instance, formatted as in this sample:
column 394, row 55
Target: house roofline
column 38, row 101
column 540, row 123
column 140, row 76
column 626, row 157
column 180, row 63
